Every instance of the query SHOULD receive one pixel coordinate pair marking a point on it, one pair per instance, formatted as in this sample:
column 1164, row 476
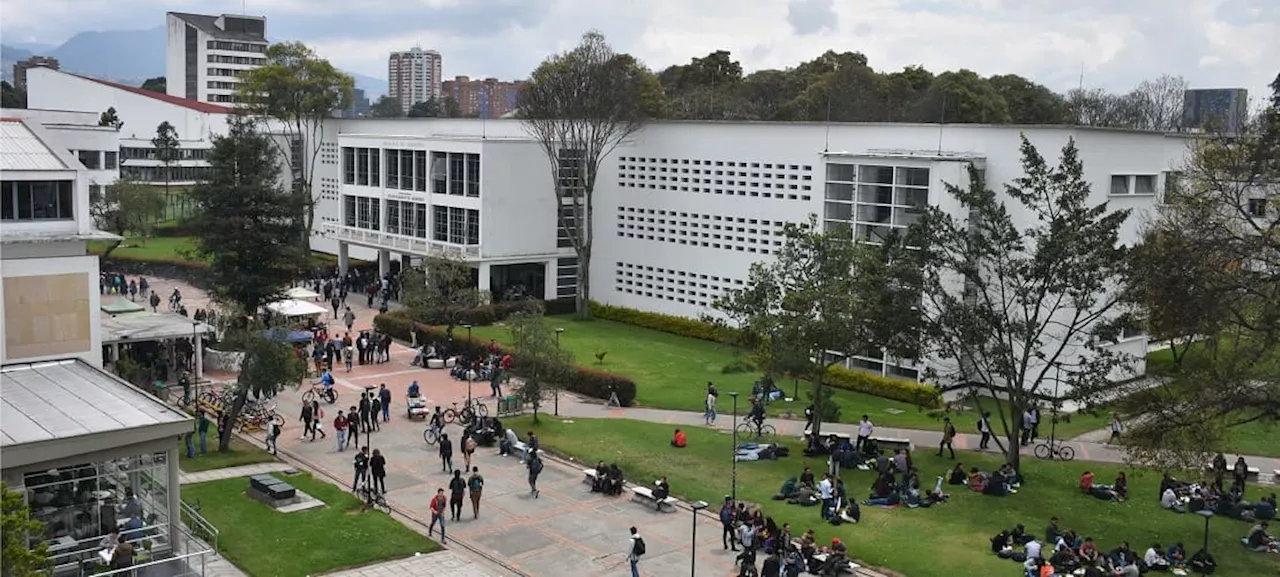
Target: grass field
column 671, row 372
column 265, row 543
column 238, row 453
column 947, row 540
column 159, row 248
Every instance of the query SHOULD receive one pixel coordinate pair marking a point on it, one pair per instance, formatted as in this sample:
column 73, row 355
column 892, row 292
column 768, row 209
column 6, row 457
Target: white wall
column 518, row 206
column 42, row 260
column 75, row 131
column 175, row 57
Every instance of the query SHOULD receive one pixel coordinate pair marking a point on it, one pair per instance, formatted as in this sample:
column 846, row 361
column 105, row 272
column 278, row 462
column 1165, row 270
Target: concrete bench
column 828, row 435
column 647, row 494
column 892, row 444
column 1276, row 477
column 518, row 448
column 435, row 363
column 851, row 568
column 590, row 476
column 1252, row 473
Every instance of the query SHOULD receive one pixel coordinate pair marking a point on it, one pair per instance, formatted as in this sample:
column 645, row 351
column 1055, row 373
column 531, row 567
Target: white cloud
column 1118, row 44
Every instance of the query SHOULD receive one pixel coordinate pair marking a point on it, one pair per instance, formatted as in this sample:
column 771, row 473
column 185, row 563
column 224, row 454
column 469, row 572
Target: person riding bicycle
column 326, row 379
column 757, row 414
column 436, row 423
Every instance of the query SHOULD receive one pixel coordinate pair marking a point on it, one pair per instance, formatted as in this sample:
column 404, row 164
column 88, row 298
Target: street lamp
column 734, row 476
column 470, row 344
column 557, row 397
column 1053, row 425
column 558, row 331
column 693, row 542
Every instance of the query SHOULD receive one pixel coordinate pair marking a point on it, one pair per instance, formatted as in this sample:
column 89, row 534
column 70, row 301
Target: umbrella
column 301, row 293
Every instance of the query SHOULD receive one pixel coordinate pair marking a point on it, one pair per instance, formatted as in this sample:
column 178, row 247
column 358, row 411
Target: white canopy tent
column 296, row 308
column 301, row 293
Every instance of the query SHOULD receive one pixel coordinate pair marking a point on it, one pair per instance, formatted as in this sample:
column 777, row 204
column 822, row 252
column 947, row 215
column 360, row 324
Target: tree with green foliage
column 247, row 224
column 539, row 358
column 156, row 84
column 297, row 91
column 828, row 295
column 1028, row 102
column 429, row 108
column 11, row 96
column 1026, row 313
column 579, row 106
column 126, row 206
column 168, row 149
column 449, row 107
column 109, row 118
column 962, row 97
column 18, row 531
column 268, row 367
column 1216, row 240
column 386, row 107
column 441, row 291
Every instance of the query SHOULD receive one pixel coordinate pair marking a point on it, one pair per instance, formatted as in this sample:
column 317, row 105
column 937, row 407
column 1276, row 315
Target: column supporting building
column 344, row 258
column 384, row 262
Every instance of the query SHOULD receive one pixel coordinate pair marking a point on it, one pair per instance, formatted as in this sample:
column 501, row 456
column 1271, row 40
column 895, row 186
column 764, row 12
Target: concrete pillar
column 344, row 258
column 115, row 353
column 175, row 498
column 199, row 356
column 484, row 277
column 384, row 263
column 550, row 283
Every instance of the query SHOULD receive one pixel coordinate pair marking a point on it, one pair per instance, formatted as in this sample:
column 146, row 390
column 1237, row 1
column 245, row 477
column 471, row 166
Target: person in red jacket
column 679, row 441
column 340, row 425
column 438, row 506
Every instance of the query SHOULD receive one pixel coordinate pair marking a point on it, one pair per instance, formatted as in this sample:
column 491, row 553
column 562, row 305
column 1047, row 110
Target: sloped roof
column 21, row 149
column 167, row 98
column 208, row 24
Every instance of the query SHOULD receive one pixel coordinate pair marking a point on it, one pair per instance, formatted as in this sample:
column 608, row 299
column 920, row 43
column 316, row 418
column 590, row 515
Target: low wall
column 227, row 362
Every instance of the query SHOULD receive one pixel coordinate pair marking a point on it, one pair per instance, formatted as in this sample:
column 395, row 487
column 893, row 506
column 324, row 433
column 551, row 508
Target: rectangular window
column 348, row 210
column 91, row 159
column 457, row 173
column 406, row 170
column 362, row 213
column 27, row 200
column 439, row 173
column 393, row 168
column 473, row 175
column 1119, row 184
column 420, row 170
column 1256, row 207
column 420, row 220
column 348, row 165
column 376, row 213
column 393, row 216
column 1144, row 184
column 375, row 161
column 440, row 223
column 362, row 167
column 473, row 227
column 457, row 225
column 842, row 172
column 111, row 160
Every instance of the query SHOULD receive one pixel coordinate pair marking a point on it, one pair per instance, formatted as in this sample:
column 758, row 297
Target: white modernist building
column 683, row 208
column 96, row 147
column 141, row 111
column 206, row 54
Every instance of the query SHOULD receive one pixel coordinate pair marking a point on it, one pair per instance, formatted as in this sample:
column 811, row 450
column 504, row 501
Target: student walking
column 476, row 486
column 530, row 447
column 375, row 407
column 317, row 423
column 984, row 427
column 468, row 448
column 457, row 492
column 948, row 435
column 709, row 412
column 353, row 426
column 378, row 470
column 535, row 469
column 340, row 426
column 727, row 515
column 306, row 417
column 202, row 427
column 438, row 505
column 365, row 407
column 384, row 399
column 273, row 434
column 865, row 430
column 446, row 452
column 1116, row 428
column 635, row 550
column 349, row 318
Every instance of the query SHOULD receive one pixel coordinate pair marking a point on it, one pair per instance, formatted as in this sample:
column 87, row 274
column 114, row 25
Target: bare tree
column 580, row 105
column 1161, row 102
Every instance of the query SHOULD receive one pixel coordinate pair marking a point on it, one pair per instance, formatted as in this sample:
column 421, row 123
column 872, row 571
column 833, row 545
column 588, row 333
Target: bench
column 892, row 444
column 590, row 476
column 852, row 567
column 435, row 363
column 1276, row 476
column 1252, row 473
column 828, row 435
column 647, row 494
column 518, row 449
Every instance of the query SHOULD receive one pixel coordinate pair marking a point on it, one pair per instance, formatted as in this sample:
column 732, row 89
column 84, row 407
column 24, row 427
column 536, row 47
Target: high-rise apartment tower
column 413, row 76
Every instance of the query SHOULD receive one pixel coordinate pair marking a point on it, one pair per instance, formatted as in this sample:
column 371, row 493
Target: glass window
column 839, row 211
column 348, row 165
column 393, row 168
column 420, row 170
column 375, row 161
column 25, row 200
column 473, row 175
column 876, row 174
column 872, row 194
column 440, row 228
column 457, row 225
column 91, row 159
column 393, row 216
column 348, row 210
column 406, row 170
column 362, row 167
column 439, row 173
column 362, row 212
column 842, row 172
column 913, row 176
column 457, row 173
column 376, row 213
column 911, row 196
column 420, row 220
column 1119, row 184
column 1144, row 184
column 473, row 227
column 838, row 191
column 110, row 160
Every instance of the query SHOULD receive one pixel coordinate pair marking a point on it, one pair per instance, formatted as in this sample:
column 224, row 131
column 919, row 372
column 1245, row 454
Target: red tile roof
column 175, row 100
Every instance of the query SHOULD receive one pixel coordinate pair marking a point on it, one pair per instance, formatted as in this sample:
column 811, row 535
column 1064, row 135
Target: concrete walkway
column 438, row 564
column 234, row 472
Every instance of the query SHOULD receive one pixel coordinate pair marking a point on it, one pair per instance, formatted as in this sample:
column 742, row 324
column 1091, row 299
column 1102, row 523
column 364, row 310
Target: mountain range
column 124, row 56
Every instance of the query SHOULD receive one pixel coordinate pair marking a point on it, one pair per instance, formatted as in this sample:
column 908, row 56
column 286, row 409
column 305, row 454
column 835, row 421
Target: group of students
column 898, row 482
column 1065, row 552
column 998, row 483
column 1181, row 497
column 1116, row 492
column 787, row 556
column 609, row 479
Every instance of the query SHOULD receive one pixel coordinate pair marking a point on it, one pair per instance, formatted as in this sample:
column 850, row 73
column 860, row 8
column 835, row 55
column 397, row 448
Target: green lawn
column 947, row 540
column 238, row 453
column 671, row 372
column 265, row 543
column 1256, row 438
column 160, row 248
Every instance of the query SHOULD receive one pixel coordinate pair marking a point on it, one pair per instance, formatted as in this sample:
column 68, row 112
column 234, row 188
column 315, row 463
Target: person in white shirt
column 1169, row 500
column 1027, row 423
column 1032, row 549
column 633, row 554
column 825, row 491
column 865, row 429
column 709, row 415
column 984, row 427
column 1154, row 558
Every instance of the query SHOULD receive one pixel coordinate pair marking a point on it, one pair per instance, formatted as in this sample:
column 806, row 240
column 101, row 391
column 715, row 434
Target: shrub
column 680, row 326
column 919, row 394
column 489, row 314
column 587, row 381
column 738, row 366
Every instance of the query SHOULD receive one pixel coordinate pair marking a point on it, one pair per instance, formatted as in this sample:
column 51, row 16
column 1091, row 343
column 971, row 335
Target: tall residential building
column 1215, row 109
column 488, row 98
column 207, row 54
column 413, row 76
column 20, row 69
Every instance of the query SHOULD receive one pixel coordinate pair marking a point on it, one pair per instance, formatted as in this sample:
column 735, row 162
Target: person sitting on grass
column 1002, row 545
column 1154, row 558
column 1176, row 554
column 1121, row 487
column 678, row 440
column 1011, row 475
column 977, row 480
column 957, row 475
column 1171, row 502
column 1260, row 541
column 1088, row 551
column 997, row 485
column 1088, row 487
column 1265, row 510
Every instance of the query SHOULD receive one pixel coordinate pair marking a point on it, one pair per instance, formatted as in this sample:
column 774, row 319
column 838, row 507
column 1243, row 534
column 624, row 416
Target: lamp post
column 557, row 391
column 558, row 331
column 733, row 478
column 1053, row 425
column 469, row 343
column 693, row 542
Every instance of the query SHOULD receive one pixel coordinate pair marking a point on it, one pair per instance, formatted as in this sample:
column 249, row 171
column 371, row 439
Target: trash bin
column 508, row 405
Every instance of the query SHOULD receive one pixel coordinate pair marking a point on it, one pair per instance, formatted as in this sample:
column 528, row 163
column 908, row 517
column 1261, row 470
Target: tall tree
column 441, row 291
column 539, row 359
column 17, row 556
column 110, row 119
column 827, row 293
column 386, row 107
column 1028, row 102
column 1161, row 102
column 268, row 367
column 1022, row 288
column 168, row 150
column 1221, row 232
column 449, row 107
column 126, row 206
column 580, row 105
column 297, row 90
column 156, row 84
column 11, row 96
column 962, row 97
column 429, row 108
column 248, row 224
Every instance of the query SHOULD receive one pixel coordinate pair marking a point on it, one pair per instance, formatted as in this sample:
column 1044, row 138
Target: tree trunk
column 584, row 284
column 1013, row 453
column 816, row 428
column 232, row 416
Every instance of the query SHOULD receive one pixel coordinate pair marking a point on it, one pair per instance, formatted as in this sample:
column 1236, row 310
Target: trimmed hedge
column 493, row 313
column 584, row 380
column 679, row 326
column 921, row 395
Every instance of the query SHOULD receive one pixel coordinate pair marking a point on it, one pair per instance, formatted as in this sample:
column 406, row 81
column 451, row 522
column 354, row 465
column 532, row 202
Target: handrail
column 200, row 527
column 380, row 238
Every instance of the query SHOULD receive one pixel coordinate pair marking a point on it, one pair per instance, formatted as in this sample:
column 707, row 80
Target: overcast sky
column 1117, row 43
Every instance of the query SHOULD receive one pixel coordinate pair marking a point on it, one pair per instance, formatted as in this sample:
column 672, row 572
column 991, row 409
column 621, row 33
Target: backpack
column 535, row 465
column 476, row 483
column 637, row 549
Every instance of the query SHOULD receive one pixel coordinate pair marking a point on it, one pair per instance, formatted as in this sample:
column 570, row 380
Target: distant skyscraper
column 488, row 98
column 207, row 54
column 413, row 76
column 359, row 105
column 20, row 69
column 1218, row 109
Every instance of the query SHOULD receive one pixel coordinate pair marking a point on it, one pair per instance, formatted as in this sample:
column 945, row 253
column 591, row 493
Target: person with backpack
column 457, row 489
column 635, row 550
column 535, row 469
column 727, row 513
column 446, row 452
column 438, row 505
column 984, row 427
column 476, row 486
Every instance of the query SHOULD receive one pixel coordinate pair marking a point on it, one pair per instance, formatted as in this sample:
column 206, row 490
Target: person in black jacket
column 772, row 567
column 446, row 452
column 457, row 492
column 378, row 471
column 361, row 465
column 364, row 412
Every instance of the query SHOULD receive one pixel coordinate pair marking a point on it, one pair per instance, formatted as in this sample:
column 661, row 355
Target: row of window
column 227, row 72
column 447, row 224
column 567, row 277
column 221, row 85
column 237, row 46
column 34, row 200
column 672, row 285
column 139, row 153
column 245, row 60
column 98, row 159
column 729, row 163
column 707, row 230
column 171, row 173
column 452, row 173
column 874, row 174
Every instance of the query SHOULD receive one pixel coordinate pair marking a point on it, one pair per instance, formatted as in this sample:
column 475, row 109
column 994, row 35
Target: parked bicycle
column 1054, row 449
column 372, row 499
column 468, row 414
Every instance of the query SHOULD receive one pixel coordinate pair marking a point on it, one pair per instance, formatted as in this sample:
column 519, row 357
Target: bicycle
column 328, row 394
column 467, row 414
column 1055, row 449
column 761, row 432
column 371, row 499
column 431, row 435
column 175, row 304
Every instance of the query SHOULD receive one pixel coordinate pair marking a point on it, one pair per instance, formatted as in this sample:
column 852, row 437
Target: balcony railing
column 400, row 243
